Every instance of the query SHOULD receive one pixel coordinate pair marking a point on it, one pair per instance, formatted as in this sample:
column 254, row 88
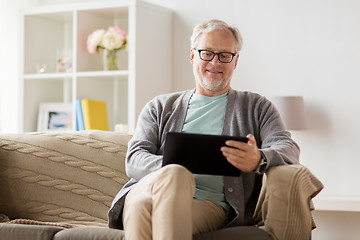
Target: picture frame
column 55, row 117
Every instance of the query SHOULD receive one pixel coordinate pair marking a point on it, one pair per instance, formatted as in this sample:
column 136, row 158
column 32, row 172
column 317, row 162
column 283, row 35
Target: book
column 94, row 114
column 79, row 116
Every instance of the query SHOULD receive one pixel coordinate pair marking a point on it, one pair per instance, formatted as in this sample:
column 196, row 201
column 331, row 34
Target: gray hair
column 212, row 25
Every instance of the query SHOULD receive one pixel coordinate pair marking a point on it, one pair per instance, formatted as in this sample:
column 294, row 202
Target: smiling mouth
column 213, row 72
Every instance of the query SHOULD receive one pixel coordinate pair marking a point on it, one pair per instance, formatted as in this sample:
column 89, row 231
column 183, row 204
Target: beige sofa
column 60, row 185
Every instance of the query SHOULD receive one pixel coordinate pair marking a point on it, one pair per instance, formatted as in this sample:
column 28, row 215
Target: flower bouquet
column 110, row 42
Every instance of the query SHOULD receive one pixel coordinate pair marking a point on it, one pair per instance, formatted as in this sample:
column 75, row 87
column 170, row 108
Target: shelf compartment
column 39, row 49
column 91, row 20
column 43, row 91
column 111, row 89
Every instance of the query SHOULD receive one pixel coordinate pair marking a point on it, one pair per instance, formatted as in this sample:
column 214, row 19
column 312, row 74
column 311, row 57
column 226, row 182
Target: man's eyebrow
column 213, row 50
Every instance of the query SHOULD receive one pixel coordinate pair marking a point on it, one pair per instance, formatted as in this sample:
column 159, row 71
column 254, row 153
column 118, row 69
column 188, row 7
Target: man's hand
column 244, row 156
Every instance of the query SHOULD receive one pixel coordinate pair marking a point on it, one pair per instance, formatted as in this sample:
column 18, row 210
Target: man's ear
column 192, row 56
column 236, row 60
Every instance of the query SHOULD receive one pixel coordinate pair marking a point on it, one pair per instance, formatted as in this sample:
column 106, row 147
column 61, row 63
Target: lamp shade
column 292, row 111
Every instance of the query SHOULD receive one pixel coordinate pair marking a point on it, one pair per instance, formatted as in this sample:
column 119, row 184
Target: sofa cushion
column 93, row 233
column 23, row 231
column 235, row 233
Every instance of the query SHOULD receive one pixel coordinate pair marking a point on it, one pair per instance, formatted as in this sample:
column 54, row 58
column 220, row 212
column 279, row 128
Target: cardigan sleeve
column 249, row 112
column 162, row 114
column 143, row 154
column 276, row 142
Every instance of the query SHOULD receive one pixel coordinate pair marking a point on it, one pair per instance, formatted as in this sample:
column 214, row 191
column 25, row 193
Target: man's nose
column 216, row 59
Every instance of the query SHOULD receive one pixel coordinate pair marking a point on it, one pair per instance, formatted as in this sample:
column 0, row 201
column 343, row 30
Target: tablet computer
column 199, row 153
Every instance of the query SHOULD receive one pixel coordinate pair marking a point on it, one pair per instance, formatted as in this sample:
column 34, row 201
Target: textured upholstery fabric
column 69, row 177
column 285, row 202
column 59, row 179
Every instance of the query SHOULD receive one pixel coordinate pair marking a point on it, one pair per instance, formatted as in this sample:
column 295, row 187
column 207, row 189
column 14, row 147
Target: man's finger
column 235, row 144
column 251, row 138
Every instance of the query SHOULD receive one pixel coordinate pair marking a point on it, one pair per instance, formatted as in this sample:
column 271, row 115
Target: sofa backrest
column 61, row 176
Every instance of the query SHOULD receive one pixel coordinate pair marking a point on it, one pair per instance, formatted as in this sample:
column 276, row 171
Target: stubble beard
column 212, row 85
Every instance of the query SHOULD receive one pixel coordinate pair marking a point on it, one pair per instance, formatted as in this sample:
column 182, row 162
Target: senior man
column 172, row 203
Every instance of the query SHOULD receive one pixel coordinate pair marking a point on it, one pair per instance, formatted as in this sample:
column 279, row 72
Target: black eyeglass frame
column 214, row 54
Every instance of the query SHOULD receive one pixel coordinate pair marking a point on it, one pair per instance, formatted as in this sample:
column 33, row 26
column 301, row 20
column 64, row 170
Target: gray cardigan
column 245, row 113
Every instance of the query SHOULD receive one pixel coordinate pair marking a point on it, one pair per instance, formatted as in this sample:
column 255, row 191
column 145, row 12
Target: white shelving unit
column 145, row 67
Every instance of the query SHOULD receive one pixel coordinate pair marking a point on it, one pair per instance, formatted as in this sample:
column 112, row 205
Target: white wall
column 292, row 47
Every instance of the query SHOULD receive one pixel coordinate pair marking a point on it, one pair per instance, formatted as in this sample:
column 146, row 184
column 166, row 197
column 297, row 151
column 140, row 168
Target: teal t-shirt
column 205, row 115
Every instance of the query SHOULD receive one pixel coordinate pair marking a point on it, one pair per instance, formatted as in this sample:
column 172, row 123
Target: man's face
column 213, row 77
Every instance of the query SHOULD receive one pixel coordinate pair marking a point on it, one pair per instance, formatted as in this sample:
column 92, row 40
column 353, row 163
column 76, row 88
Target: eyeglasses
column 207, row 55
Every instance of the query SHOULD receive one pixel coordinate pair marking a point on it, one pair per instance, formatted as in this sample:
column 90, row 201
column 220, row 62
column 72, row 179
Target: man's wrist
column 260, row 169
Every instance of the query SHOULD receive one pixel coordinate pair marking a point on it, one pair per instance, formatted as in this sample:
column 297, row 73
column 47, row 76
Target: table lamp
column 292, row 111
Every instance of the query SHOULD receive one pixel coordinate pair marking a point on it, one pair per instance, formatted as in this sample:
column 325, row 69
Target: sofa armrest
column 61, row 176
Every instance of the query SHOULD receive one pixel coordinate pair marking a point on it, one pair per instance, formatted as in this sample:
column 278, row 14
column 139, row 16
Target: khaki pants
column 151, row 211
column 161, row 206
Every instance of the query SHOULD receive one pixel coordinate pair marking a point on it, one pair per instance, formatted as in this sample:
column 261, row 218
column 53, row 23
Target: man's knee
column 177, row 175
column 176, row 171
